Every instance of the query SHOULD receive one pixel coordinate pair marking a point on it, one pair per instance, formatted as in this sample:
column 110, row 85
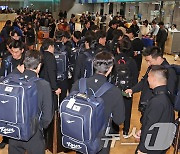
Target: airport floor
column 127, row 146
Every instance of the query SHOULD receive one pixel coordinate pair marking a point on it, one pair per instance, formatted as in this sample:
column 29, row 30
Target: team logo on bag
column 5, row 130
column 73, row 146
column 4, row 102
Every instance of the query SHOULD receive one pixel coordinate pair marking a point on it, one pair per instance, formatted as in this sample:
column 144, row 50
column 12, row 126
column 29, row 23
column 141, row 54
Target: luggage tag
column 71, row 103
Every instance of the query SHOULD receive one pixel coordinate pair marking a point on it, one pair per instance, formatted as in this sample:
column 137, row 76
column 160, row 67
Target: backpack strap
column 82, row 85
column 104, row 88
column 8, row 64
column 88, row 55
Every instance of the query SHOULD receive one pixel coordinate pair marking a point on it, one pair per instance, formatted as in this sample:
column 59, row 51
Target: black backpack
column 60, row 54
column 123, row 76
column 88, row 71
column 177, row 90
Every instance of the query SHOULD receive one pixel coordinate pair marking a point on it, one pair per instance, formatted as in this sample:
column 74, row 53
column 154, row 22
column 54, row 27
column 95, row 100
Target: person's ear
column 22, row 50
column 38, row 68
column 109, row 71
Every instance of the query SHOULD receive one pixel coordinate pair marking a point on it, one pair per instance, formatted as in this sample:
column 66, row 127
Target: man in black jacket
column 36, row 144
column 80, row 66
column 86, row 28
column 159, row 110
column 103, row 64
column 101, row 41
column 153, row 56
column 126, row 76
column 112, row 27
column 16, row 58
column 161, row 36
column 135, row 28
column 49, row 68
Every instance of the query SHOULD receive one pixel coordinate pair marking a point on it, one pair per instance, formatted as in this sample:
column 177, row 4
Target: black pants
column 128, row 109
column 161, row 45
column 36, row 145
column 64, row 87
column 138, row 60
column 70, row 83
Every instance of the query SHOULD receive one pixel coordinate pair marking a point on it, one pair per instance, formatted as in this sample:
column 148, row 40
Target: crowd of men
column 110, row 52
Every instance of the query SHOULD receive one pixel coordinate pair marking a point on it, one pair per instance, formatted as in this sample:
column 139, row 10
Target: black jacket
column 49, row 70
column 84, row 31
column 44, row 99
column 80, row 64
column 143, row 86
column 114, row 106
column 109, row 35
column 135, row 30
column 14, row 63
column 161, row 36
column 131, row 65
column 159, row 110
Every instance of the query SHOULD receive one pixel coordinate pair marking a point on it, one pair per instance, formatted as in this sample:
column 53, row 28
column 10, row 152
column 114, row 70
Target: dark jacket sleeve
column 152, row 117
column 75, row 86
column 2, row 70
column 52, row 72
column 172, row 80
column 118, row 108
column 47, row 105
column 134, row 70
column 139, row 86
column 79, row 67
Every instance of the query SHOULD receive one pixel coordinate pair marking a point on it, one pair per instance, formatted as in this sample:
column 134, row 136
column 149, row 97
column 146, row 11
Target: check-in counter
column 172, row 45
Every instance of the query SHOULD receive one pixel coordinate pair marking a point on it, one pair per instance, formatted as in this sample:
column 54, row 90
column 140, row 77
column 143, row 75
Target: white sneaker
column 176, row 57
column 125, row 136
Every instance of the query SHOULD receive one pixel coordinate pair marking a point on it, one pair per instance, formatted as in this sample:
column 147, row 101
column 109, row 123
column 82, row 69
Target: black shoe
column 2, row 145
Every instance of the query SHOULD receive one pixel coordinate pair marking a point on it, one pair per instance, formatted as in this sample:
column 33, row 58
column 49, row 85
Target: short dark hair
column 46, row 43
column 153, row 51
column 112, row 22
column 15, row 32
column 67, row 35
column 117, row 33
column 129, row 30
column 161, row 23
column 32, row 59
column 88, row 39
column 103, row 61
column 8, row 22
column 100, row 34
column 77, row 35
column 146, row 22
column 154, row 22
column 160, row 70
column 125, row 45
column 59, row 35
column 17, row 44
column 175, row 25
column 86, row 22
column 94, row 27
